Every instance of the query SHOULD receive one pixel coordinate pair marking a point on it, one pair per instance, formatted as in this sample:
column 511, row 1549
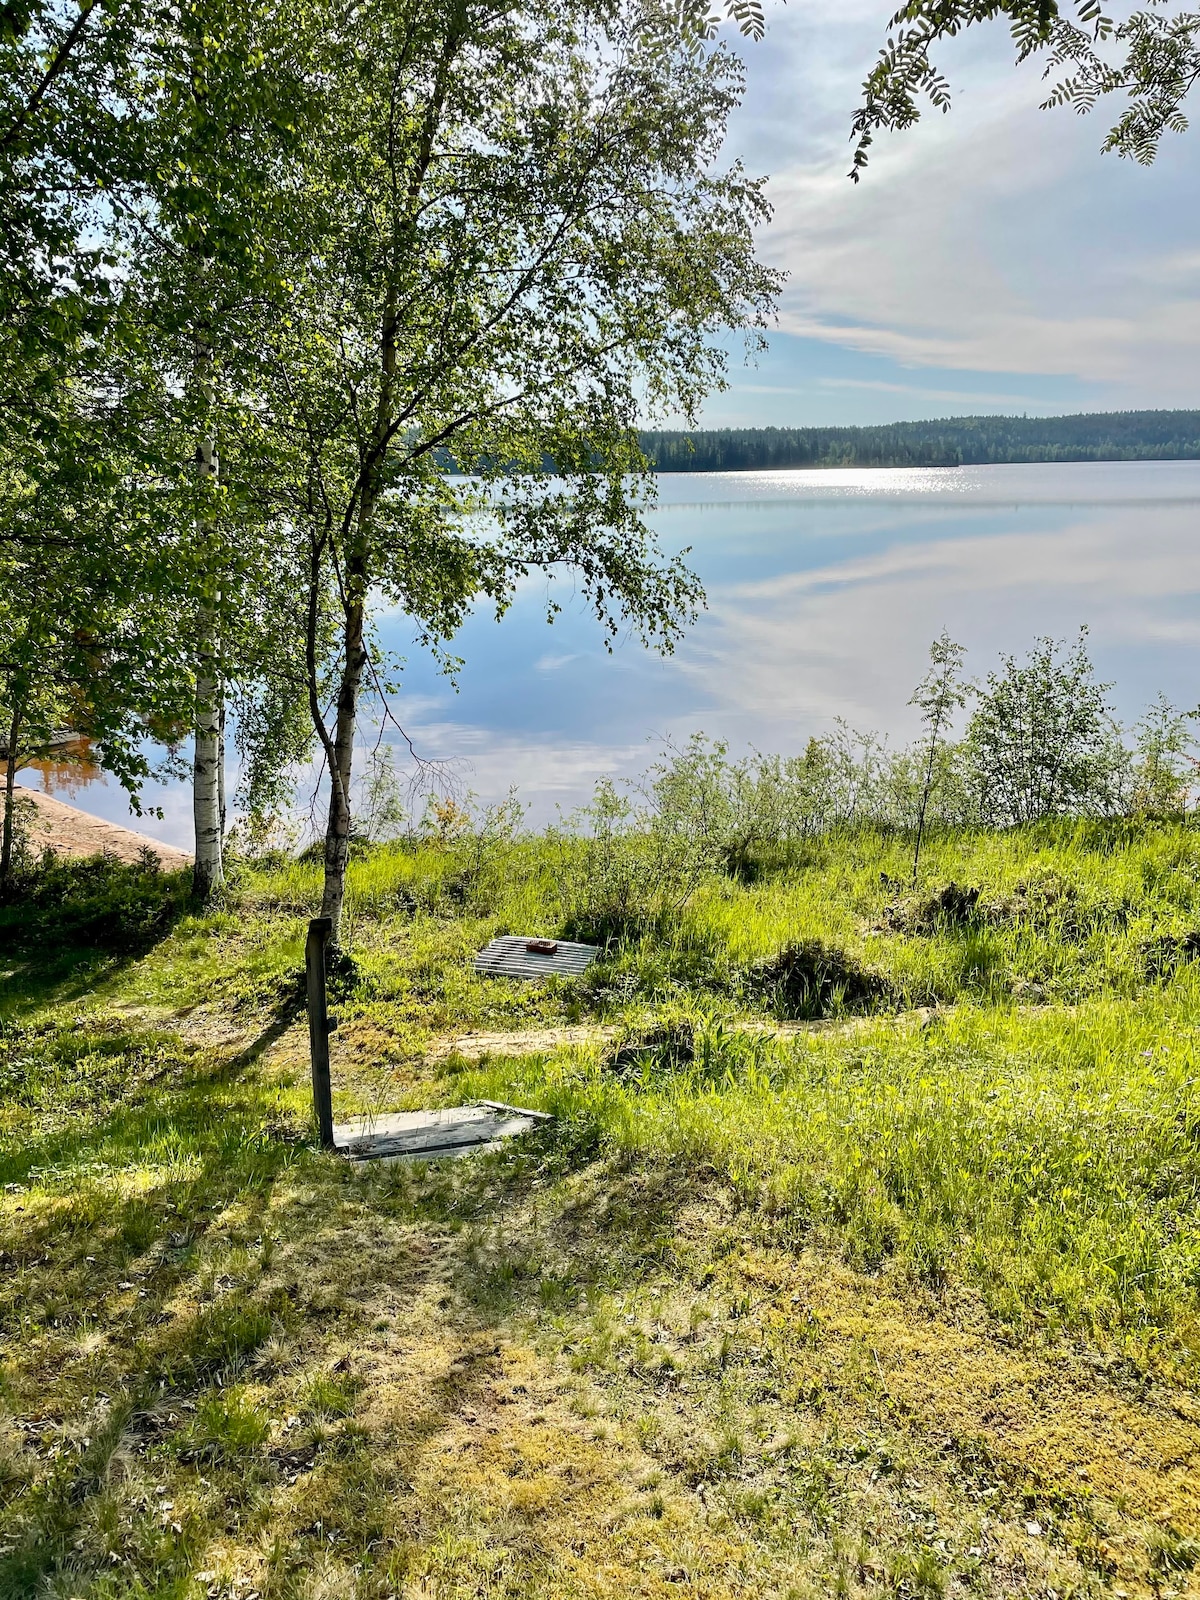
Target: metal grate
column 523, row 956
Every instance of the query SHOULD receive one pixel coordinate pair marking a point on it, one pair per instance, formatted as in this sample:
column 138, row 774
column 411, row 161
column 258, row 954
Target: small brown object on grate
column 523, row 955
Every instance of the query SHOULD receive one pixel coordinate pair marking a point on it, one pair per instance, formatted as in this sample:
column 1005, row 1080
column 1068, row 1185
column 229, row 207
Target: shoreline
column 69, row 831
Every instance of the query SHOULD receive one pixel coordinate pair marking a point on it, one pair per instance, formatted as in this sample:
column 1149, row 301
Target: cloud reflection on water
column 824, row 589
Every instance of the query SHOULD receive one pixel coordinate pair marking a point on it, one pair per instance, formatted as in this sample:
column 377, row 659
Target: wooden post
column 319, row 930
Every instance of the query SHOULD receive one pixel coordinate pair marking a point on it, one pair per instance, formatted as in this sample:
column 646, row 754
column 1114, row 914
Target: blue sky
column 991, row 260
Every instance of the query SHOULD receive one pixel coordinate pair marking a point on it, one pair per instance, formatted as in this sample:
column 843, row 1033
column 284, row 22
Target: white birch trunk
column 208, row 775
column 208, row 763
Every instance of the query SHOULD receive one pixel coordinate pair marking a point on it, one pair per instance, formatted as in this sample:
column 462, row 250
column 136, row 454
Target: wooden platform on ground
column 429, row 1135
column 72, row 832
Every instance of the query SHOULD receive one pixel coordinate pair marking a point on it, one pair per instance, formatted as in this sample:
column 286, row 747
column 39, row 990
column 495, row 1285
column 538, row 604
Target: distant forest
column 950, row 442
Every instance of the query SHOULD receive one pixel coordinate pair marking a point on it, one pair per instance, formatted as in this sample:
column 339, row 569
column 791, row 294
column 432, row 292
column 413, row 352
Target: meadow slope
column 862, row 1256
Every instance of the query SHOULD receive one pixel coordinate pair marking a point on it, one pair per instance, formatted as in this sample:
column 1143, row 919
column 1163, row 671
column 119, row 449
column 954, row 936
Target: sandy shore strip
column 72, row 832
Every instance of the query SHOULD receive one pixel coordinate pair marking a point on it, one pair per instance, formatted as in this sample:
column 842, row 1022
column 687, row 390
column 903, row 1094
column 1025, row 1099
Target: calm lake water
column 824, row 592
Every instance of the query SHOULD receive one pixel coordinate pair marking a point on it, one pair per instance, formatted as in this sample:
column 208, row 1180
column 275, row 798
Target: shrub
column 701, row 1051
column 617, row 873
column 1042, row 742
column 1165, row 955
column 1164, row 769
column 98, row 903
column 808, row 980
column 643, row 1052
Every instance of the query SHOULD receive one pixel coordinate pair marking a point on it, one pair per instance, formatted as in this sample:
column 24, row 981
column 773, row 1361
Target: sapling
column 939, row 694
column 1042, row 741
column 1165, row 767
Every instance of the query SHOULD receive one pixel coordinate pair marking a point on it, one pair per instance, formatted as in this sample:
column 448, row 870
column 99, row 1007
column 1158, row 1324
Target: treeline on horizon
column 946, row 442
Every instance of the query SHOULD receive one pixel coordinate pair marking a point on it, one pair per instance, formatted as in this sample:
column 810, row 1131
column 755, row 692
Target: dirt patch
column 475, row 1046
column 54, row 825
column 533, row 1041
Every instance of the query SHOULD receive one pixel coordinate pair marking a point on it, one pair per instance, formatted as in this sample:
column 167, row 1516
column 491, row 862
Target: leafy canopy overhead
column 697, row 19
column 1152, row 57
column 512, row 237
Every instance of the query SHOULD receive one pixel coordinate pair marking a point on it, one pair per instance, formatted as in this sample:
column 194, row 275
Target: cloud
column 949, row 396
column 994, row 240
column 548, row 772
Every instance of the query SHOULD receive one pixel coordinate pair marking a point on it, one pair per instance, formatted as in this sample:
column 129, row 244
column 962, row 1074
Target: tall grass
column 1033, row 1134
column 1065, row 911
column 1050, row 1161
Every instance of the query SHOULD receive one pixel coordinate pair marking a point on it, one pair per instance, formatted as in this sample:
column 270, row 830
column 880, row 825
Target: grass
column 862, row 1257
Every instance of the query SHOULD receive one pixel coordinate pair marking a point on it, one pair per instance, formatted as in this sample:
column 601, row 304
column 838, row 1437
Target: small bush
column 1042, row 742
column 703, row 1052
column 616, row 877
column 810, row 980
column 98, row 903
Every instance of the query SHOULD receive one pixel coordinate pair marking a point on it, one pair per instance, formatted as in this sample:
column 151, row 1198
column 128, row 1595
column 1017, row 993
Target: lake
column 824, row 589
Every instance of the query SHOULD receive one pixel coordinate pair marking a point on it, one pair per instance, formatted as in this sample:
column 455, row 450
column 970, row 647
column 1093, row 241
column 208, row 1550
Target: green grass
column 1051, row 1161
column 866, row 1238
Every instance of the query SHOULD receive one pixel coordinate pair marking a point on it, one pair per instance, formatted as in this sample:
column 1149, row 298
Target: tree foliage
column 514, row 238
column 310, row 257
column 1041, row 740
column 1151, row 57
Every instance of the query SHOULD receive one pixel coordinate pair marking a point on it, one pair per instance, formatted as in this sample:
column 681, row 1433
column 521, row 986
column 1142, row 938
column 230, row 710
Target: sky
column 991, row 260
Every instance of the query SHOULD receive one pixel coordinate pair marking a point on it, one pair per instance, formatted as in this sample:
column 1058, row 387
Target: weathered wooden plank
column 431, row 1135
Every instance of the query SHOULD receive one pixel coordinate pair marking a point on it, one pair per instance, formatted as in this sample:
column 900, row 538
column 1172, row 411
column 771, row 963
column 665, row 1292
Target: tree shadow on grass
column 103, row 1100
column 188, row 1235
column 69, row 926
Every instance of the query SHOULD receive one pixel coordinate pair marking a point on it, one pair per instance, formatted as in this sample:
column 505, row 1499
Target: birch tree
column 517, row 241
column 1148, row 56
column 222, row 100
